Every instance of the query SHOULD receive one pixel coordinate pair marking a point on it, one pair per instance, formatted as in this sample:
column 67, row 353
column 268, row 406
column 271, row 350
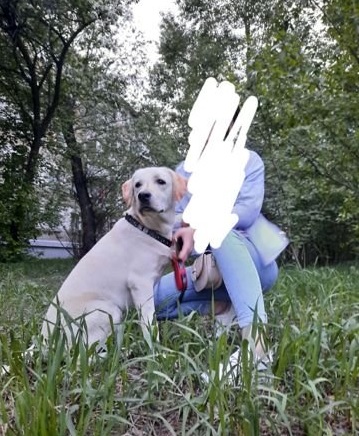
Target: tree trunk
column 87, row 213
column 88, row 219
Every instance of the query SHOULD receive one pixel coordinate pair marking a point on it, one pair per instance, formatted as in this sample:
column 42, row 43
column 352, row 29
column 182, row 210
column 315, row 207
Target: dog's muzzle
column 145, row 202
column 145, row 198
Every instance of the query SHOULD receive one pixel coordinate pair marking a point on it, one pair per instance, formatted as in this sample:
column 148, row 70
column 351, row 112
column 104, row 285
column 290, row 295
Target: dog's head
column 153, row 190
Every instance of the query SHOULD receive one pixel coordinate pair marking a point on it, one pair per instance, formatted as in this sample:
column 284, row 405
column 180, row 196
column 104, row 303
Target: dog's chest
column 139, row 251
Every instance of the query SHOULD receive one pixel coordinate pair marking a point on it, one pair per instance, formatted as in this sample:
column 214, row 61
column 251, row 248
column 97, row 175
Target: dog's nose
column 144, row 197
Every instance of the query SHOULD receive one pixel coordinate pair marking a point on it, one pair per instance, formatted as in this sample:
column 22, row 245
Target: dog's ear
column 127, row 192
column 179, row 185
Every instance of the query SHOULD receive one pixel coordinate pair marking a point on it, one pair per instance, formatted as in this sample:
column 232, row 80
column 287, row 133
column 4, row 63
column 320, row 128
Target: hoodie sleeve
column 182, row 204
column 249, row 201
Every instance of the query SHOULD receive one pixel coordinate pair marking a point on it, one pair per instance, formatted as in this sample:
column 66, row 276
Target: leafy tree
column 286, row 53
column 311, row 133
column 35, row 40
column 103, row 131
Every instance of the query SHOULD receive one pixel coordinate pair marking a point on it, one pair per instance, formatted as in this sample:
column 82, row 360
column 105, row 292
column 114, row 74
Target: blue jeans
column 245, row 279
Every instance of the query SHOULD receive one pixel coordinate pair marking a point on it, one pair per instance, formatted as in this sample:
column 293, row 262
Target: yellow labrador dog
column 119, row 272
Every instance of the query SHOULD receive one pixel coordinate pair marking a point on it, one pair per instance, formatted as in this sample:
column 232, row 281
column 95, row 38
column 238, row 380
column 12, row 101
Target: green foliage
column 52, row 54
column 313, row 329
column 20, row 202
column 106, row 138
column 315, row 136
column 300, row 59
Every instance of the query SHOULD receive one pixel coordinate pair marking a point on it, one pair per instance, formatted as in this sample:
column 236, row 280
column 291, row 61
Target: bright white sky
column 147, row 16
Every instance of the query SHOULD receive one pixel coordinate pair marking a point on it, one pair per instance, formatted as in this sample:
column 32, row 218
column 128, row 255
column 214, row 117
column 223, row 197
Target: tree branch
column 59, row 66
column 337, row 30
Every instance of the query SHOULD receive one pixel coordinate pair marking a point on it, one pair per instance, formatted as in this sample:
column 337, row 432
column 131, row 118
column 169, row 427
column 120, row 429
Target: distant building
column 50, row 248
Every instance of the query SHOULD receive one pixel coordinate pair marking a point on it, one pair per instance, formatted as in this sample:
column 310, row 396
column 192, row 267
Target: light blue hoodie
column 268, row 239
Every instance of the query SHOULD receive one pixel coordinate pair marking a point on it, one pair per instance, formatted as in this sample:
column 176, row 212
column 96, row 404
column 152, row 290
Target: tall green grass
column 135, row 390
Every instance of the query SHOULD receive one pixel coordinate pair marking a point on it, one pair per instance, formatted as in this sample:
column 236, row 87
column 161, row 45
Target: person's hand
column 186, row 234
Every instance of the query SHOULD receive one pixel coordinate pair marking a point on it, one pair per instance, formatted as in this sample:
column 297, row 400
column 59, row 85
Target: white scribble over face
column 216, row 158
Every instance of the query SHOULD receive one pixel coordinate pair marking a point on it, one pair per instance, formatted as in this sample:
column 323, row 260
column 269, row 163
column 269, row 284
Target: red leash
column 179, row 269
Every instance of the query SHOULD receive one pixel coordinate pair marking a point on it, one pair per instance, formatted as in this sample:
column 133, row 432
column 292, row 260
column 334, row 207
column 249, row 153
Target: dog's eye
column 138, row 185
column 161, row 182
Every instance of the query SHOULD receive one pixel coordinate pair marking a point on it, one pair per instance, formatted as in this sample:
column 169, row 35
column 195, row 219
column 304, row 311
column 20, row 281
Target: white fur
column 119, row 272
